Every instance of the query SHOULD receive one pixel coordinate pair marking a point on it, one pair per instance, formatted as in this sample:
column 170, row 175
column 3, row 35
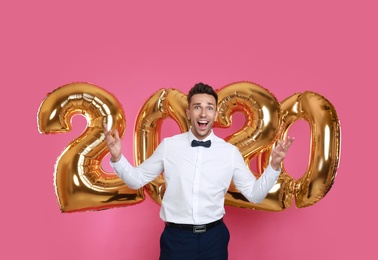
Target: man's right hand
column 114, row 143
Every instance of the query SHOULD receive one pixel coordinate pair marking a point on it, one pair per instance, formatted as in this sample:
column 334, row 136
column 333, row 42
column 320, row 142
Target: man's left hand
column 280, row 151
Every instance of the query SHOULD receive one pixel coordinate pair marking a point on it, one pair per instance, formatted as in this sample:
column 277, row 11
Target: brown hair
column 201, row 88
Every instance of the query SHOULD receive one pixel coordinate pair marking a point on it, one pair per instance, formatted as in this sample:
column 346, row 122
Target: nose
column 203, row 113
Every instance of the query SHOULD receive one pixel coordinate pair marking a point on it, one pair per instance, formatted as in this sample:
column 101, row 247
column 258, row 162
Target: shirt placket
column 196, row 184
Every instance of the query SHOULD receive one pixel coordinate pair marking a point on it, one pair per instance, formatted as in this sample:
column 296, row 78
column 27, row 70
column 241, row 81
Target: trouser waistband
column 195, row 228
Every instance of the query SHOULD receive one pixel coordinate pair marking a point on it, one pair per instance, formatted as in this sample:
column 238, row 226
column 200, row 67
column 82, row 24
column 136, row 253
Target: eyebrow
column 209, row 104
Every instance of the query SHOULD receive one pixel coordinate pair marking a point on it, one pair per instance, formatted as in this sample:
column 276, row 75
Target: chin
column 204, row 133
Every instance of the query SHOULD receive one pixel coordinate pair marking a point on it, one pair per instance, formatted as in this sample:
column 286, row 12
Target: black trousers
column 185, row 245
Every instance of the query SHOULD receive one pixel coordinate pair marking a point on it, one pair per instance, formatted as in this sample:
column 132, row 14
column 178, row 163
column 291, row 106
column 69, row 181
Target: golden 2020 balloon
column 325, row 143
column 80, row 182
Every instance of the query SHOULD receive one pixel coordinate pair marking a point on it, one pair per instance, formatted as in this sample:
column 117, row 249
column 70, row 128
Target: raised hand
column 280, row 151
column 114, row 143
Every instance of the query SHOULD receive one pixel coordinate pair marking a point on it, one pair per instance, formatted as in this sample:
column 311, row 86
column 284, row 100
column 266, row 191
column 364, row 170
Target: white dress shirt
column 196, row 178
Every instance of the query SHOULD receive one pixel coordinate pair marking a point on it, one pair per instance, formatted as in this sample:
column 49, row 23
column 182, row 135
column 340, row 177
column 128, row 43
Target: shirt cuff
column 119, row 165
column 273, row 172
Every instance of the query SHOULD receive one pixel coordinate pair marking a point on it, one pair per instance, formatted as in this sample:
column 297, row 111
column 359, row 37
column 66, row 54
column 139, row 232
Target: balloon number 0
column 82, row 185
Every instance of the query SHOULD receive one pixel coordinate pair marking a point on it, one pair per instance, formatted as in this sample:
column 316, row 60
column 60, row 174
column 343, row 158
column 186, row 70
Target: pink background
column 134, row 48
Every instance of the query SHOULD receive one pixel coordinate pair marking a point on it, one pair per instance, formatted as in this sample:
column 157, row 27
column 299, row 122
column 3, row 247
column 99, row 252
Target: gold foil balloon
column 80, row 182
column 262, row 113
column 163, row 104
column 325, row 145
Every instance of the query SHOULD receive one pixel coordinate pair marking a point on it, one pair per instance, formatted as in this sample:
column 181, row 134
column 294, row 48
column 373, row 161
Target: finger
column 289, row 141
column 277, row 147
column 116, row 134
column 280, row 154
column 283, row 145
column 105, row 128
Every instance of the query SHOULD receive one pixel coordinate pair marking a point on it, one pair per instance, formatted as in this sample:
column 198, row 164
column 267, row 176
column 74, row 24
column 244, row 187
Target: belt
column 195, row 228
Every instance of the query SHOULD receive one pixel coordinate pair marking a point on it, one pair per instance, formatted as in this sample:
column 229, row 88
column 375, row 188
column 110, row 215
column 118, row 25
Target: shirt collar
column 192, row 137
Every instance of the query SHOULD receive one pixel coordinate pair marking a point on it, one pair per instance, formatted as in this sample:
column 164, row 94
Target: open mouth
column 202, row 124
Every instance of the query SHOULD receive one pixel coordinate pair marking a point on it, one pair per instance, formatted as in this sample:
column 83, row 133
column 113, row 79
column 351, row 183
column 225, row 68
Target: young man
column 198, row 169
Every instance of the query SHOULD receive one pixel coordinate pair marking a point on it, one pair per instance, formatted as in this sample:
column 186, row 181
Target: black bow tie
column 196, row 143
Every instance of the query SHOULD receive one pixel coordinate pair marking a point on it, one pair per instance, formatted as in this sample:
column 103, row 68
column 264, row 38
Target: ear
column 188, row 114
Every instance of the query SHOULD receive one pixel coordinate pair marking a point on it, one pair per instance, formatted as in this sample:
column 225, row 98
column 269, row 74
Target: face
column 202, row 113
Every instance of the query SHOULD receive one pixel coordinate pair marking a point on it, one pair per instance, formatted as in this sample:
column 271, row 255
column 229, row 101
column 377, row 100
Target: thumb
column 116, row 134
column 105, row 128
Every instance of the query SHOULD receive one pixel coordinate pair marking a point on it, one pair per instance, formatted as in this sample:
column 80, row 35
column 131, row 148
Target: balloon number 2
column 82, row 185
column 80, row 182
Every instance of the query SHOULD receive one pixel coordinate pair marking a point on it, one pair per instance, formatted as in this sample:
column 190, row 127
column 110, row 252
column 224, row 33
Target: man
column 198, row 169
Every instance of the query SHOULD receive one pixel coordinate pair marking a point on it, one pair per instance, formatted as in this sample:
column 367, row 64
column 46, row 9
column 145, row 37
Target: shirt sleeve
column 254, row 189
column 137, row 177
